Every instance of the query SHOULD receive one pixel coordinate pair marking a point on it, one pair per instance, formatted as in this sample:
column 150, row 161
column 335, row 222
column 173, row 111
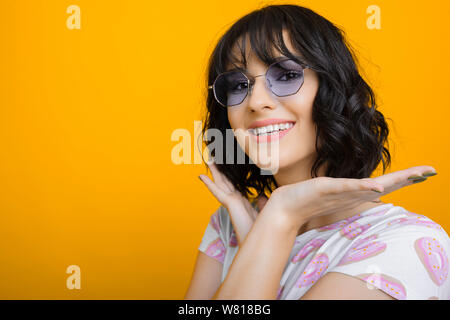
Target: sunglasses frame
column 250, row 83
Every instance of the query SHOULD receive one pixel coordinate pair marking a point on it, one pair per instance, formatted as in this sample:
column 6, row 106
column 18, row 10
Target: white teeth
column 271, row 128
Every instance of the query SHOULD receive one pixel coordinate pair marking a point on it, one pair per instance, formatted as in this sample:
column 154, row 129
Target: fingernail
column 419, row 180
column 415, row 177
column 376, row 190
column 429, row 174
column 200, row 179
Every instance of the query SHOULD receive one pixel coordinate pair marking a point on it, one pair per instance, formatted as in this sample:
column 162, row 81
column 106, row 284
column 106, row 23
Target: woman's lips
column 273, row 136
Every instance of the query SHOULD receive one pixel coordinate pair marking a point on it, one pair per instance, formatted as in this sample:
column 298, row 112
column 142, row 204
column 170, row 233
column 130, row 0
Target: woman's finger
column 399, row 179
column 396, row 180
column 403, row 175
column 213, row 188
column 228, row 183
column 340, row 185
column 384, row 184
column 217, row 175
column 223, row 177
column 369, row 184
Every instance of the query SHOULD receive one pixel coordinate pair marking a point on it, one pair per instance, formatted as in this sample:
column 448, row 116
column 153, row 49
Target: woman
column 284, row 76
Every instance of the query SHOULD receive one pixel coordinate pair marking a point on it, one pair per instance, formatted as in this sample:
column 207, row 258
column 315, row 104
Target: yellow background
column 86, row 118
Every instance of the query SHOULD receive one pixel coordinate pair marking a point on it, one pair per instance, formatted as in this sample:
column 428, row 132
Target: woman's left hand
column 242, row 214
column 299, row 202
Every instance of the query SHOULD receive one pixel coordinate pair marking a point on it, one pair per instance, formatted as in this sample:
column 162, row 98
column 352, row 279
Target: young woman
column 315, row 228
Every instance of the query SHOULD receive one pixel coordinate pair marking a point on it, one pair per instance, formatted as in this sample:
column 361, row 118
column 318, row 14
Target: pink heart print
column 216, row 250
column 413, row 214
column 417, row 220
column 434, row 258
column 313, row 271
column 343, row 223
column 363, row 249
column 339, row 224
column 379, row 213
column 215, row 222
column 385, row 283
column 353, row 229
column 307, row 249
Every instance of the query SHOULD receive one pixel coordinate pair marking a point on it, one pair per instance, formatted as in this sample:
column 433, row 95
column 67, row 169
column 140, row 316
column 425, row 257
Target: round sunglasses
column 283, row 78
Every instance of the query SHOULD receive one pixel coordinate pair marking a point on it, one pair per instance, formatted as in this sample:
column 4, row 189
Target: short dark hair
column 351, row 133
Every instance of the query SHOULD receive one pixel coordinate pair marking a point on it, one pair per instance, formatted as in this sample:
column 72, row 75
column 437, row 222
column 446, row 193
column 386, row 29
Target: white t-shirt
column 402, row 253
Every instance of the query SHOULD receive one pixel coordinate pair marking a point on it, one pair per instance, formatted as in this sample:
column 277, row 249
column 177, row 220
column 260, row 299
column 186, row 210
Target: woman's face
column 297, row 146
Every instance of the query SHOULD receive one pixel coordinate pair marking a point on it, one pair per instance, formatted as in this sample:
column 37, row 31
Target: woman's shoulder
column 389, row 222
column 397, row 222
column 411, row 218
column 407, row 251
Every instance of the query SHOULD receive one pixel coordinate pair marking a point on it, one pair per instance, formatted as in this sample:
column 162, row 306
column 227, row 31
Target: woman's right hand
column 302, row 201
column 242, row 213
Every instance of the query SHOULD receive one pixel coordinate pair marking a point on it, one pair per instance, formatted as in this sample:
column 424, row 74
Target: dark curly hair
column 351, row 133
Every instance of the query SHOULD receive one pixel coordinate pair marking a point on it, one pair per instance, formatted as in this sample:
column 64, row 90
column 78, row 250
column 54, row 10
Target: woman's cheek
column 244, row 142
column 264, row 156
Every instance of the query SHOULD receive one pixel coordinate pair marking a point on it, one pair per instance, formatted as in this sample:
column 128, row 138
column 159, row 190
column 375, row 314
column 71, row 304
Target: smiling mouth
column 271, row 129
column 271, row 133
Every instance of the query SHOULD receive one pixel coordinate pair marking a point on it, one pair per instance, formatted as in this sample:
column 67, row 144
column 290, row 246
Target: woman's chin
column 270, row 165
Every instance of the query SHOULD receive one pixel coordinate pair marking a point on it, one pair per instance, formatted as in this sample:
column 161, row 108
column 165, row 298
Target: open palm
column 321, row 196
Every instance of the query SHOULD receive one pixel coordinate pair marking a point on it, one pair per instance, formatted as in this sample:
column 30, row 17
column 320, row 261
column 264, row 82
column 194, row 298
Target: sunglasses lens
column 285, row 77
column 231, row 88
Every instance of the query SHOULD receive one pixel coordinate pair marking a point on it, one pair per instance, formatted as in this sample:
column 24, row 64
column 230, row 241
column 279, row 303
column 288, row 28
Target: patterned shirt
column 404, row 254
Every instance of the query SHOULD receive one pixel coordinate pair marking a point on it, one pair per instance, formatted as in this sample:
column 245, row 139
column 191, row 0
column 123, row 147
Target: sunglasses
column 283, row 78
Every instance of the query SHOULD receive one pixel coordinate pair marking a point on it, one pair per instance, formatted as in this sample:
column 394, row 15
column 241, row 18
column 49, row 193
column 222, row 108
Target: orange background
column 86, row 118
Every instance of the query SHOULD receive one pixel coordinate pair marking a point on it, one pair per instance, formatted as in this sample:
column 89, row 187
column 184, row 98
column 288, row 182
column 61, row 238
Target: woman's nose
column 260, row 95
